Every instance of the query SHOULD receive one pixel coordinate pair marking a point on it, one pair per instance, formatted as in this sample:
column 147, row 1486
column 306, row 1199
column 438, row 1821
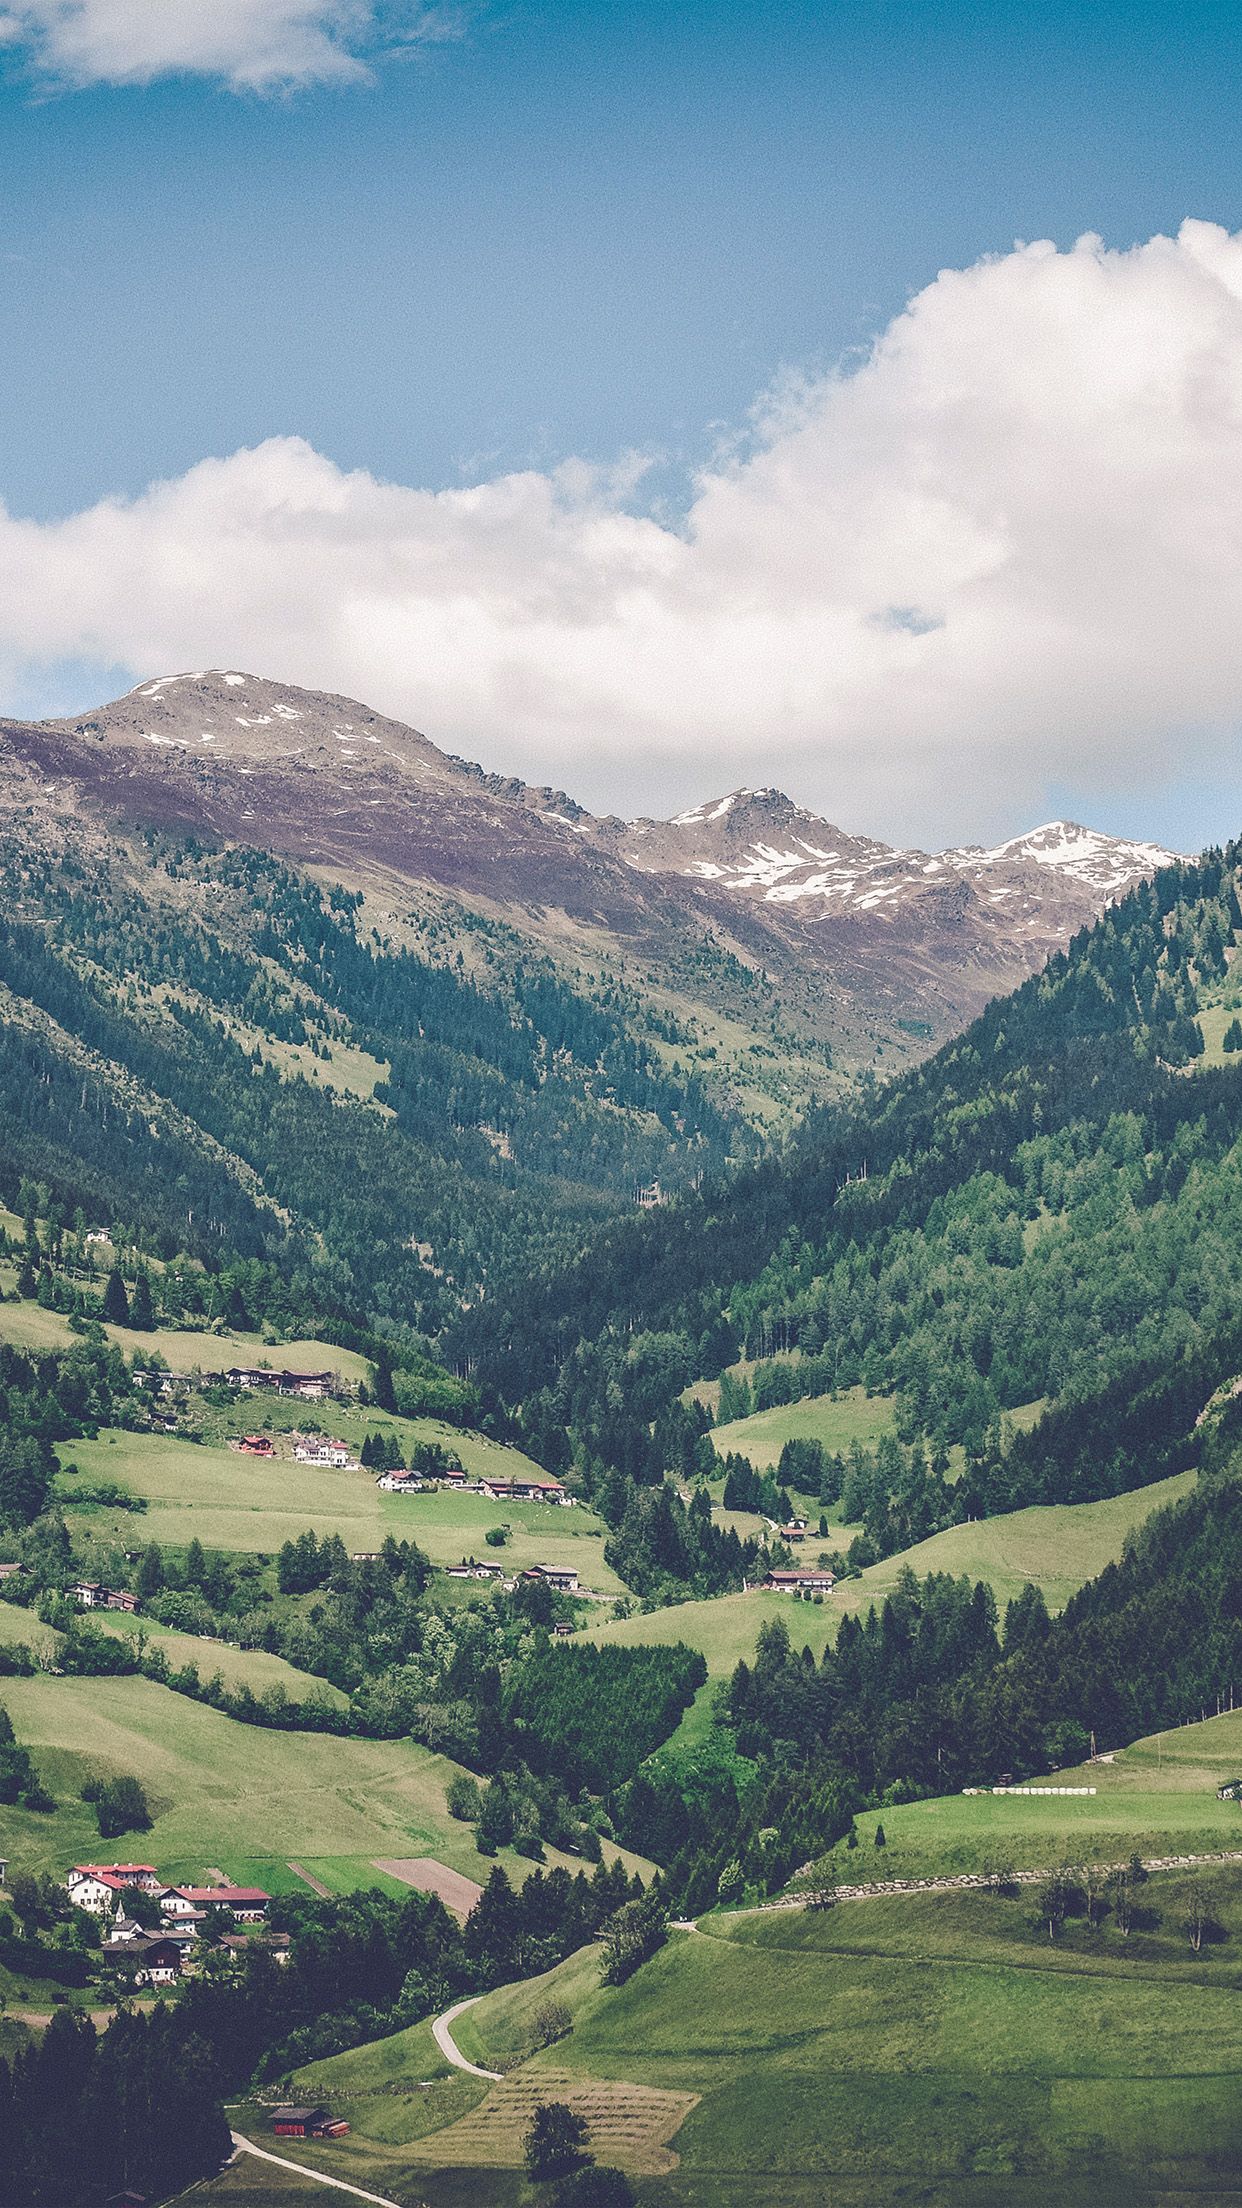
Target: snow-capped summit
column 878, row 947
column 760, row 844
column 1107, row 863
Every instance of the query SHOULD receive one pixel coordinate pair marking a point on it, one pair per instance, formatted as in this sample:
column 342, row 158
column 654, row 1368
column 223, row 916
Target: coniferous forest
column 1026, row 1252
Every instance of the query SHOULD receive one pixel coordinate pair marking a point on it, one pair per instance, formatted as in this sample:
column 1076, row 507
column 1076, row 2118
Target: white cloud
column 254, row 45
column 1004, row 551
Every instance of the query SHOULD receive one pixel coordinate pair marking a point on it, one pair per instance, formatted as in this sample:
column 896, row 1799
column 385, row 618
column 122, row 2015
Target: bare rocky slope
column 748, row 908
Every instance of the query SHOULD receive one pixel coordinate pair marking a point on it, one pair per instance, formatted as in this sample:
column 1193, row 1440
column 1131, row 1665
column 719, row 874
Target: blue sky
column 571, row 230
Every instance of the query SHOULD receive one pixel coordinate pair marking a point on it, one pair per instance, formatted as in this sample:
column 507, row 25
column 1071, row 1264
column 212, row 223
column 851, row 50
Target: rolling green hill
column 242, row 1798
column 936, row 2048
column 1057, row 1548
column 228, row 1501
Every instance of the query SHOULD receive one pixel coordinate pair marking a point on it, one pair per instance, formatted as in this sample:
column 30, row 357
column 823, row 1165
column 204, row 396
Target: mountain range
column 755, row 921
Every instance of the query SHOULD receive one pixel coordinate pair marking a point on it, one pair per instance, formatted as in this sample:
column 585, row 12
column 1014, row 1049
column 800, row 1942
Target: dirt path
column 443, row 2037
column 968, row 1881
column 317, row 2177
column 316, row 1884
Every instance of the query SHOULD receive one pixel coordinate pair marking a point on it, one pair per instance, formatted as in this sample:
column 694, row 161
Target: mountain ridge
column 876, row 950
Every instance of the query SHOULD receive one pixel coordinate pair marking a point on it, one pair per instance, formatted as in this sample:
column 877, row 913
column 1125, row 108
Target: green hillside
column 1157, row 1796
column 1051, row 1215
column 239, row 1797
column 1057, row 1548
column 836, row 1421
column 935, row 2047
column 228, row 1501
column 238, row 1667
column 373, row 1120
column 182, row 1349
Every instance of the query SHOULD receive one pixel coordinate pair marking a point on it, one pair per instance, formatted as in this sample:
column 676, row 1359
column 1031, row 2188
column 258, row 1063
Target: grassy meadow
column 185, row 1349
column 835, row 1420
column 238, row 1667
column 935, row 2049
column 236, row 1797
column 1056, row 1545
column 838, row 1421
column 1157, row 1797
column 249, row 1503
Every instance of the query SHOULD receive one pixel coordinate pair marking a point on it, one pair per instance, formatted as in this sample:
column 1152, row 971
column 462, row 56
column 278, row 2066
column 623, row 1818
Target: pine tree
column 115, row 1300
column 381, row 1382
column 141, row 1307
column 150, row 1577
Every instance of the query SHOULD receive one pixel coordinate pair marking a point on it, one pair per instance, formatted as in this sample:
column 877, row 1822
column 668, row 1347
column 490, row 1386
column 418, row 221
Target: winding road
column 443, row 2038
column 317, row 2177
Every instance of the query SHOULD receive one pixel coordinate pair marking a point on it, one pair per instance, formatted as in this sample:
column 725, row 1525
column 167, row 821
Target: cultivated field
column 248, row 1503
column 1058, row 1546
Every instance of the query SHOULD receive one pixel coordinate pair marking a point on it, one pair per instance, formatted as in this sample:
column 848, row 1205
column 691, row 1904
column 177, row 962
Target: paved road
column 444, row 2039
column 317, row 2177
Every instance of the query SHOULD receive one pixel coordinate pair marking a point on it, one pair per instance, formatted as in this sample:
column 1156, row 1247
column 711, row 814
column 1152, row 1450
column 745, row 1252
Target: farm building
column 125, row 1928
column 800, row 1581
column 401, row 1483
column 1231, row 1791
column 335, row 1454
column 248, row 1904
column 91, row 1594
column 183, row 1934
column 162, row 1383
column 157, row 1959
column 10, row 1571
column 256, row 1445
column 311, row 1387
column 275, row 1944
column 561, row 1577
column 100, row 1888
column 524, row 1490
column 307, row 2123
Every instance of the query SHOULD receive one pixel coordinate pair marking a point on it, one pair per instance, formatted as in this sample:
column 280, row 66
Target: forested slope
column 1050, row 1208
column 210, row 1052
